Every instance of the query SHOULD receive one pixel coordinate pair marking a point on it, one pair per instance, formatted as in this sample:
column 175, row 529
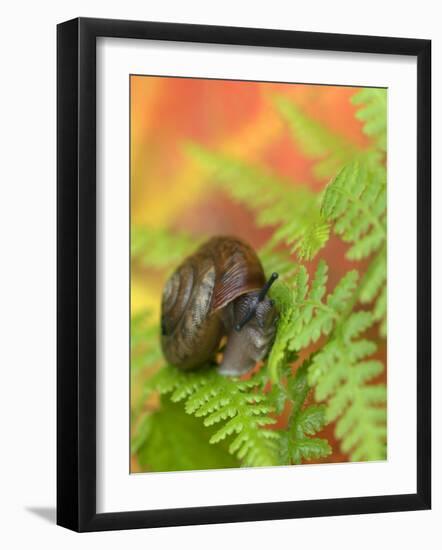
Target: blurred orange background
column 170, row 190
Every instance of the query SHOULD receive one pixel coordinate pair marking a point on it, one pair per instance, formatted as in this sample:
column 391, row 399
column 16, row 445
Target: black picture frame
column 76, row 273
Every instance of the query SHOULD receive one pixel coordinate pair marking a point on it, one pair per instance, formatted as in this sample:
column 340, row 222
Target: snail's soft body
column 217, row 293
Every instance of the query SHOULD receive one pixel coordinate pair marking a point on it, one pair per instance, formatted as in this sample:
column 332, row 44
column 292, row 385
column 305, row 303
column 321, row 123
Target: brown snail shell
column 195, row 311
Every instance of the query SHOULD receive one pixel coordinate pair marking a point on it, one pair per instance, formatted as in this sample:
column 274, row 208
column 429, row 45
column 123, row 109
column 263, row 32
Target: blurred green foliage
column 178, row 441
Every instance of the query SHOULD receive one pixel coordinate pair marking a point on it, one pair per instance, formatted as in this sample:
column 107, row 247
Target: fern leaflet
column 297, row 443
column 304, row 314
column 341, row 368
column 243, row 411
column 340, row 372
column 373, row 114
column 355, row 200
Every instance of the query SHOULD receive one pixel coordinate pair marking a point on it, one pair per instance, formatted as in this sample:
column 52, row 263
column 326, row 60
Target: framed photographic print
column 243, row 274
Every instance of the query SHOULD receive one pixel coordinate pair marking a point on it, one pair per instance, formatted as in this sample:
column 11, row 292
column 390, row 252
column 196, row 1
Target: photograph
column 258, row 274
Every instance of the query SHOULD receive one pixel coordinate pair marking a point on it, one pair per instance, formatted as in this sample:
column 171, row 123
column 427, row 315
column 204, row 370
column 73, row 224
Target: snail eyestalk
column 266, row 287
column 262, row 294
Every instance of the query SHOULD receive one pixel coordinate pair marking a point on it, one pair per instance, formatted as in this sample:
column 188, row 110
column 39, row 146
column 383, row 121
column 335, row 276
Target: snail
column 219, row 291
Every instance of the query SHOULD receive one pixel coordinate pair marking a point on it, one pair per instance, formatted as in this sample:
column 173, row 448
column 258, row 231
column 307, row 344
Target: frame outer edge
column 87, row 259
column 251, row 36
column 424, row 275
column 67, row 265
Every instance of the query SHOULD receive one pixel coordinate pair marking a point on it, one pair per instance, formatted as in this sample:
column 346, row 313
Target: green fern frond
column 373, row 114
column 296, row 443
column 244, row 413
column 380, row 311
column 284, row 297
column 313, row 238
column 292, row 208
column 340, row 369
column 305, row 238
column 160, row 248
column 304, row 314
column 374, row 288
column 330, row 150
column 340, row 372
column 296, row 309
column 355, row 200
column 374, row 278
column 315, row 316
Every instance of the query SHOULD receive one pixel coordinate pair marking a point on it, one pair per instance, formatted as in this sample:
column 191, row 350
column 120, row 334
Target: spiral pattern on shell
column 195, row 295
